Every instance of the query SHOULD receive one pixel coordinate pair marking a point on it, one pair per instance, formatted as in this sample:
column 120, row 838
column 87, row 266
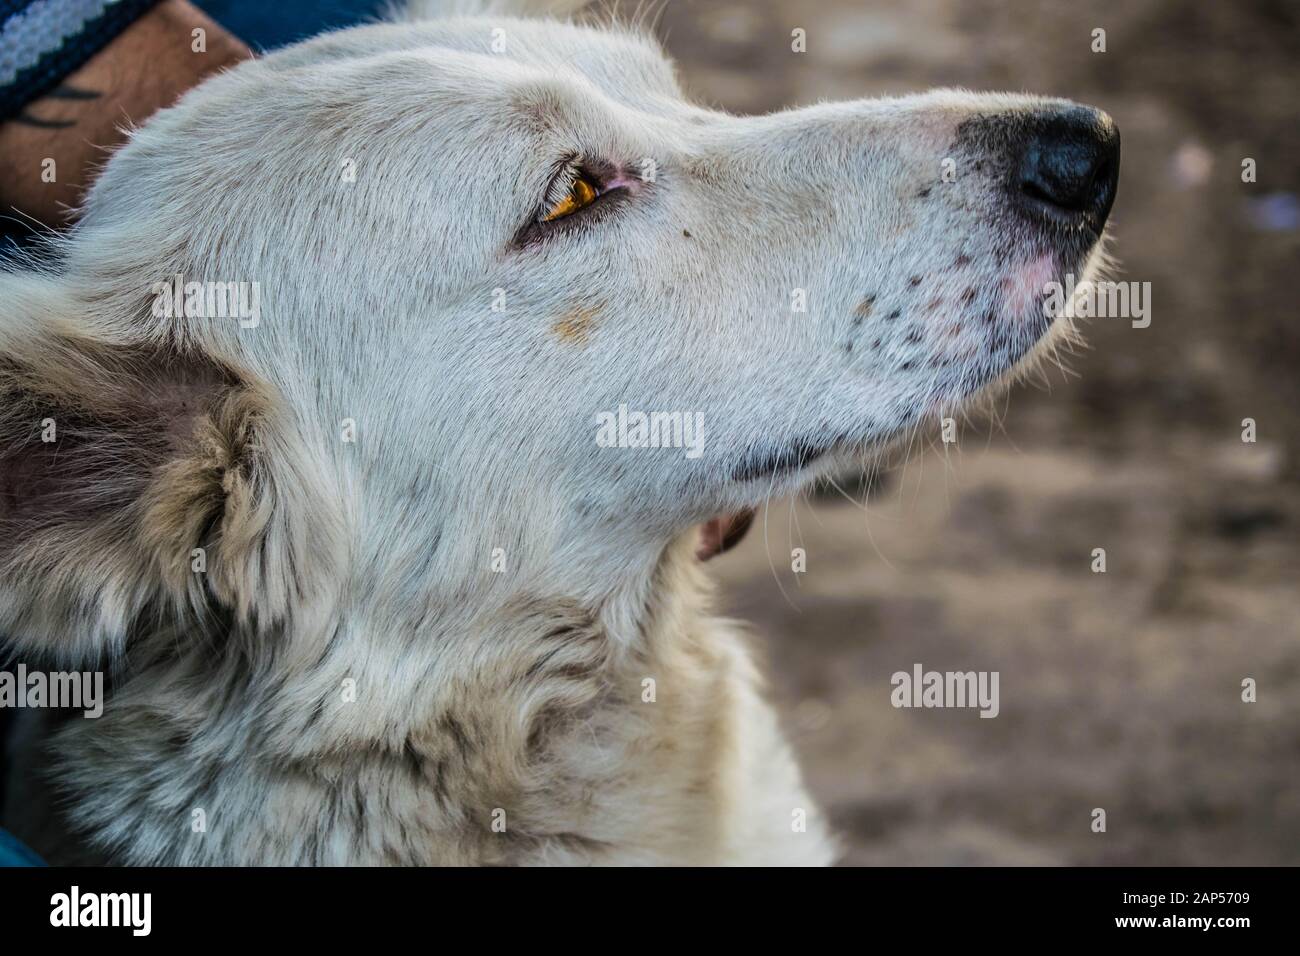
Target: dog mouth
column 772, row 463
column 1021, row 323
column 722, row 533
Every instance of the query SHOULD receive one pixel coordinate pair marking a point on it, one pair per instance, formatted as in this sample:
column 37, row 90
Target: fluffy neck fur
column 530, row 715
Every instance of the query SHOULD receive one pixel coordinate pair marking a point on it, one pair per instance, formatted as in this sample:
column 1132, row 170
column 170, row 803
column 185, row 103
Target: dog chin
column 1056, row 330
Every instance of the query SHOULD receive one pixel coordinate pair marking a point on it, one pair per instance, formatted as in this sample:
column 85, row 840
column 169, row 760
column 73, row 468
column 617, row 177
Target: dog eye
column 582, row 193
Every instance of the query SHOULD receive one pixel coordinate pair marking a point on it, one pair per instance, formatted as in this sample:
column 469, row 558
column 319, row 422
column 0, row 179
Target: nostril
column 1069, row 163
column 1061, row 171
column 1101, row 178
column 1037, row 189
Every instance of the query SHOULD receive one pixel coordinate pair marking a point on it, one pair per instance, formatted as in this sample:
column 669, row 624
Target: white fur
column 371, row 561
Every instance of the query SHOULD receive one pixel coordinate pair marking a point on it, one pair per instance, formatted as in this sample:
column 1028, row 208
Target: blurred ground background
column 1119, row 690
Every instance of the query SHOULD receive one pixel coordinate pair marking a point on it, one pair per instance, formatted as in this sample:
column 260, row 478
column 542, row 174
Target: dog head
column 520, row 306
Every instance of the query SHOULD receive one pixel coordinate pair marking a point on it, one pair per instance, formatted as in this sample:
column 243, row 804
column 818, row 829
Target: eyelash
column 537, row 230
column 562, row 182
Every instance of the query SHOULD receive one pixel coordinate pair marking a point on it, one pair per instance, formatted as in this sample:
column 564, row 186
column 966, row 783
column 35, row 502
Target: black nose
column 1070, row 166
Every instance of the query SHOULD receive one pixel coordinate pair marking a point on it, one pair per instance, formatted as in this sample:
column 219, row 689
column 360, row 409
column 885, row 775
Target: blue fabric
column 265, row 26
column 13, row 853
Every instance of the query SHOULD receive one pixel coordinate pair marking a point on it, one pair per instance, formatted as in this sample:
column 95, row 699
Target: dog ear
column 416, row 10
column 134, row 483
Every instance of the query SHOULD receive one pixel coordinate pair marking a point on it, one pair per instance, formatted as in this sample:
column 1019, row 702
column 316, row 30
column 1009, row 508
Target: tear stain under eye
column 575, row 326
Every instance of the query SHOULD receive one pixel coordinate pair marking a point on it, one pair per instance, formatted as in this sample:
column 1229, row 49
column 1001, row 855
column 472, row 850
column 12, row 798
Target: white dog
column 389, row 568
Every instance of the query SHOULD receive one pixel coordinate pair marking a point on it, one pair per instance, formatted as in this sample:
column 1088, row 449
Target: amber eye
column 582, row 193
